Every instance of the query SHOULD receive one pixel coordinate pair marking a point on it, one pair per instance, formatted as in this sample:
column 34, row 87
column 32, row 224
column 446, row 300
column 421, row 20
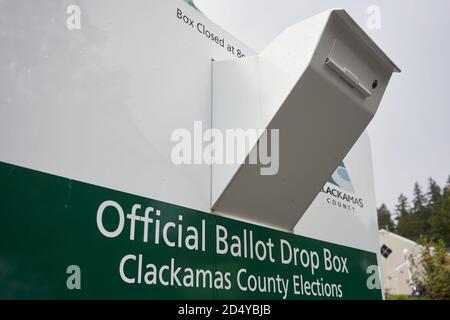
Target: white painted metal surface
column 320, row 83
column 334, row 216
column 99, row 105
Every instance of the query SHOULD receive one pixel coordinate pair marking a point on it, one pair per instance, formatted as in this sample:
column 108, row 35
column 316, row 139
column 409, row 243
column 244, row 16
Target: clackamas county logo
column 340, row 191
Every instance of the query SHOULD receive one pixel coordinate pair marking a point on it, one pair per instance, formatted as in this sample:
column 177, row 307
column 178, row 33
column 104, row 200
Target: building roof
column 383, row 231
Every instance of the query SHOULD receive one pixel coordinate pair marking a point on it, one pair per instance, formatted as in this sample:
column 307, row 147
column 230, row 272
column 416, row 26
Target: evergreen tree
column 409, row 224
column 434, row 194
column 440, row 221
column 419, row 200
column 385, row 219
column 421, row 209
column 447, row 188
column 402, row 207
column 429, row 215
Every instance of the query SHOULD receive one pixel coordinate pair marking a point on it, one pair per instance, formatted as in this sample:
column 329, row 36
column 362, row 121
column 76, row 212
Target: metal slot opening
column 349, row 77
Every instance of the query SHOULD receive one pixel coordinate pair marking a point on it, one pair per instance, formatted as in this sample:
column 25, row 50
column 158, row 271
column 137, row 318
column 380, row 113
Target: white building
column 395, row 266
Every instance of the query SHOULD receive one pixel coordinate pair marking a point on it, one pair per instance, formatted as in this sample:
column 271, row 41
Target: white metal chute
column 319, row 83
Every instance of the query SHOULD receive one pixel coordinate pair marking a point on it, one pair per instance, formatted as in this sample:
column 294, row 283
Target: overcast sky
column 411, row 132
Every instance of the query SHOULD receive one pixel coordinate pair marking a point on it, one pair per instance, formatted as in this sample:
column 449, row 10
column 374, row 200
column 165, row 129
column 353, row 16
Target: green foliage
column 428, row 215
column 421, row 212
column 409, row 226
column 427, row 219
column 434, row 194
column 440, row 221
column 431, row 270
column 419, row 200
column 404, row 297
column 447, row 189
column 402, row 207
column 409, row 223
column 385, row 218
column 397, row 297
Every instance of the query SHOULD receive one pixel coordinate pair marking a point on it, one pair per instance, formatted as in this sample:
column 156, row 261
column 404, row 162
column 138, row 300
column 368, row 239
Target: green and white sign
column 64, row 239
column 97, row 96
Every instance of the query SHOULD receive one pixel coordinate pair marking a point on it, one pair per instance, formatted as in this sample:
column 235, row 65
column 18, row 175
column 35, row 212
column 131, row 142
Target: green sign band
column 65, row 239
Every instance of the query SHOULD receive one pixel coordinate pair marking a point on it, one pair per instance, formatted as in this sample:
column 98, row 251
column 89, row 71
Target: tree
column 440, row 221
column 422, row 208
column 447, row 188
column 429, row 215
column 419, row 200
column 402, row 207
column 431, row 270
column 385, row 219
column 410, row 226
column 434, row 194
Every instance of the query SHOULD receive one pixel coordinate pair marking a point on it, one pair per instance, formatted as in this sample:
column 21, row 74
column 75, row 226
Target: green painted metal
column 49, row 223
column 191, row 3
